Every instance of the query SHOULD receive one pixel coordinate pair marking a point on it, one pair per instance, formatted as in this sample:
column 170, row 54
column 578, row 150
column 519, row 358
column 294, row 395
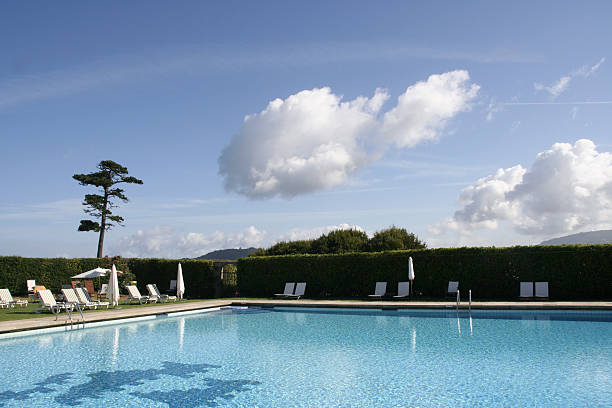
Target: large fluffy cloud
column 423, row 110
column 313, row 140
column 567, row 189
column 165, row 242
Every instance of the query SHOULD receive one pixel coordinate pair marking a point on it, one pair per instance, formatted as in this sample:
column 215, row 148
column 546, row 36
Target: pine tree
column 100, row 205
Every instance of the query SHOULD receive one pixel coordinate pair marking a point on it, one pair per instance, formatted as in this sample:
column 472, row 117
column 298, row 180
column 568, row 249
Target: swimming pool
column 319, row 357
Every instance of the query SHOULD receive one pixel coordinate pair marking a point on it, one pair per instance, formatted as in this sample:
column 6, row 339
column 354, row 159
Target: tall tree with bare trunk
column 100, row 205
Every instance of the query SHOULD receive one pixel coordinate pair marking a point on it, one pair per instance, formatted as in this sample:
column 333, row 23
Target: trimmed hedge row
column 199, row 276
column 573, row 272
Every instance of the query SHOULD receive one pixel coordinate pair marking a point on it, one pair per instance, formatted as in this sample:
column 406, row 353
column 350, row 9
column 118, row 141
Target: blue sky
column 468, row 123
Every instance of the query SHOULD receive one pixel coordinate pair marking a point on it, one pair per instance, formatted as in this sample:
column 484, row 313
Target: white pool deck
column 48, row 320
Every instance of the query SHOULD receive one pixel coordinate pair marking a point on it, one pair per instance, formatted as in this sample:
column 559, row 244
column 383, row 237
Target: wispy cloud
column 117, row 69
column 556, row 103
column 555, row 89
column 561, row 85
column 574, row 112
column 54, row 210
column 418, row 168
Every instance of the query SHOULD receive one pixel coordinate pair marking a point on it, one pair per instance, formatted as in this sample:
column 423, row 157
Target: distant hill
column 592, row 237
column 228, row 254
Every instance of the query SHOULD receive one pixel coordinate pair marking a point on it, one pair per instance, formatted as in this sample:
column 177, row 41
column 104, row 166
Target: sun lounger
column 300, row 289
column 47, row 301
column 89, row 286
column 289, row 287
column 380, row 290
column 453, row 287
column 172, row 287
column 134, row 295
column 31, row 283
column 154, row 293
column 70, row 296
column 526, row 290
column 166, row 297
column 7, row 298
column 103, row 290
column 541, row 290
column 403, row 289
column 84, row 298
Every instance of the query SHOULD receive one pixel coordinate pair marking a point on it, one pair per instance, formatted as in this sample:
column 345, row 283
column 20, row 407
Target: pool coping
column 118, row 316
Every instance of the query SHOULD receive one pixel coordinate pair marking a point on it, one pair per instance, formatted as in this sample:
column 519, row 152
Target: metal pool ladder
column 69, row 312
column 458, row 300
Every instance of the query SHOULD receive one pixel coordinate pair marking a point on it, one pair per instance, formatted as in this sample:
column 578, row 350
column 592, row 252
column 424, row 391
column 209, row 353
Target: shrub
column 199, row 276
column 394, row 238
column 573, row 272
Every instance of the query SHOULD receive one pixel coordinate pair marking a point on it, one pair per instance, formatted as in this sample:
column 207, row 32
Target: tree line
column 348, row 240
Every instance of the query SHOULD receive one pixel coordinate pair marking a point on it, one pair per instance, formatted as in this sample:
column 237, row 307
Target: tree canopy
column 395, row 238
column 100, row 206
column 349, row 240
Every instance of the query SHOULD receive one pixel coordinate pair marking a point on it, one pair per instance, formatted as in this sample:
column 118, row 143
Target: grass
column 28, row 312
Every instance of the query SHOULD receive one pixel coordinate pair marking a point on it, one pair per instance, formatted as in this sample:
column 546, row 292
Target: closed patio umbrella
column 113, row 288
column 410, row 273
column 180, row 284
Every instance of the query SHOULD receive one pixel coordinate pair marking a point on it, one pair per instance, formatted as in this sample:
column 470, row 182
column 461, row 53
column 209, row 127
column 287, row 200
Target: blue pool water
column 319, row 358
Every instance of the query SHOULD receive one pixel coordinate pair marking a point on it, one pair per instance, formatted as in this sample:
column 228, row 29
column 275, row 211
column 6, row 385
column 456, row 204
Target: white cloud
column 555, row 89
column 313, row 140
column 423, row 110
column 493, row 108
column 147, row 65
column 587, row 71
column 165, row 242
column 574, row 112
column 567, row 189
column 562, row 84
column 311, row 233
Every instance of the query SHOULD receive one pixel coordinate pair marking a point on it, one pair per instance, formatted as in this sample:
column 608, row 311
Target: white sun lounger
column 380, row 290
column 541, row 290
column 289, row 287
column 47, row 302
column 70, row 296
column 7, row 298
column 84, row 299
column 134, row 294
column 403, row 289
column 526, row 290
column 155, row 293
column 453, row 287
column 167, row 297
column 300, row 289
column 103, row 290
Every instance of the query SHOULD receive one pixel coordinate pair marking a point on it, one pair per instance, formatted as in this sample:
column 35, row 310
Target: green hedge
column 199, row 276
column 573, row 272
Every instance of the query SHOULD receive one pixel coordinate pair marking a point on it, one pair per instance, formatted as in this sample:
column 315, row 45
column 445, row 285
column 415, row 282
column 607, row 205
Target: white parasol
column 113, row 287
column 180, row 284
column 410, row 273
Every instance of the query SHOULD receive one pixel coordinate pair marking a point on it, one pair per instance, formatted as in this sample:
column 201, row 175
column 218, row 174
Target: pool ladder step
column 69, row 318
column 469, row 300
